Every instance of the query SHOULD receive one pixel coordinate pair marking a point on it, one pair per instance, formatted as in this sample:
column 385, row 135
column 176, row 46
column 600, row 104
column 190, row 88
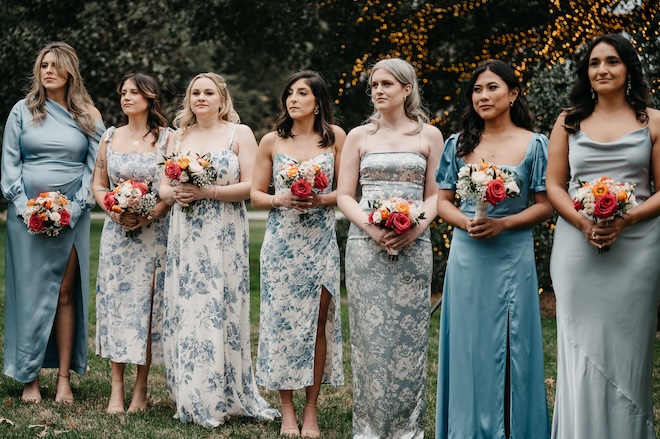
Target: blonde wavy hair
column 405, row 74
column 78, row 99
column 185, row 119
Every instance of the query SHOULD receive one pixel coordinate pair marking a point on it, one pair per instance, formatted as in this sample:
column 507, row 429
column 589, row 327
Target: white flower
column 55, row 216
column 511, row 187
column 183, row 178
column 464, row 172
column 122, row 200
column 480, row 178
column 414, row 212
column 377, row 217
column 195, row 167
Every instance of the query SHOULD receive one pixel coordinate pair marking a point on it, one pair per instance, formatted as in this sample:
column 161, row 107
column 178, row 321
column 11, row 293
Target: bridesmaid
column 606, row 303
column 395, row 153
column 129, row 283
column 300, row 322
column 50, row 143
column 206, row 326
column 490, row 366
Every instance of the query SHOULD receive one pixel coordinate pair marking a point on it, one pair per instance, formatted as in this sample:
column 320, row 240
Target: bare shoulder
column 243, row 129
column 654, row 123
column 432, row 132
column 358, row 132
column 268, row 140
column 339, row 131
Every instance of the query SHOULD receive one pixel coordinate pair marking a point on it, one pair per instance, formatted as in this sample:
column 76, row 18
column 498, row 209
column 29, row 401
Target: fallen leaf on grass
column 5, row 420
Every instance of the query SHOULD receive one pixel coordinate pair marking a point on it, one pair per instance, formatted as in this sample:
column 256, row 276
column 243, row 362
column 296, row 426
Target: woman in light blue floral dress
column 394, row 154
column 129, row 284
column 206, row 328
column 300, row 342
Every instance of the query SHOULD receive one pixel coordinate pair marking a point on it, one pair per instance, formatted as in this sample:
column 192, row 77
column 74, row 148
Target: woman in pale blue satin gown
column 50, row 143
column 300, row 323
column 606, row 301
column 131, row 274
column 490, row 362
column 394, row 154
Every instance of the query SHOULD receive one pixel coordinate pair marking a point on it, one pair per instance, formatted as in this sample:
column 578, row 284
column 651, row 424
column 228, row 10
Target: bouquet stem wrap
column 480, row 209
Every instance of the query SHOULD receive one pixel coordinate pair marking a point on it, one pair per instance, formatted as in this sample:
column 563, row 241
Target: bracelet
column 272, row 202
column 215, row 190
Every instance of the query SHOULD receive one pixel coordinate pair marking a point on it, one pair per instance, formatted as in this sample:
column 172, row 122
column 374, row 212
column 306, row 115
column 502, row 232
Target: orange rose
column 30, row 202
column 316, row 168
column 184, row 163
column 203, row 162
column 116, row 208
column 384, row 213
column 43, row 194
column 293, row 171
column 48, row 204
column 599, row 190
column 403, row 208
column 622, row 196
column 63, row 201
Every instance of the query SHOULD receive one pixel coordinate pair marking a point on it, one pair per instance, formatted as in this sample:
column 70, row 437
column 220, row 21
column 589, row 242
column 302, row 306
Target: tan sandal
column 289, row 431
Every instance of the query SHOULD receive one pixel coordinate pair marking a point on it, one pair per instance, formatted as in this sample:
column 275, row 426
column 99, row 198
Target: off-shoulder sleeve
column 539, row 163
column 12, row 160
column 447, row 171
column 83, row 200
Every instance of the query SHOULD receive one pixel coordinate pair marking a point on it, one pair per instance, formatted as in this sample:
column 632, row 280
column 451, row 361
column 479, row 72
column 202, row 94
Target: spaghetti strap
column 421, row 147
column 177, row 140
column 364, row 149
column 231, row 137
column 108, row 138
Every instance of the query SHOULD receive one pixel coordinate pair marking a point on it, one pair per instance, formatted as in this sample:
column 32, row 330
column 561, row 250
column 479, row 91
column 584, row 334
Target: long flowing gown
column 606, row 304
column 388, row 305
column 298, row 258
column 131, row 274
column 206, row 328
column 55, row 155
column 490, row 316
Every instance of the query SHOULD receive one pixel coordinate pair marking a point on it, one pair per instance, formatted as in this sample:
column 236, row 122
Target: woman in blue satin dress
column 395, row 153
column 490, row 366
column 606, row 302
column 50, row 143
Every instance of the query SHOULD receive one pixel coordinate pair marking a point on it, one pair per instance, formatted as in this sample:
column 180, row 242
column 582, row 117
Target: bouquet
column 194, row 169
column 47, row 214
column 396, row 214
column 131, row 196
column 602, row 199
column 485, row 183
column 303, row 177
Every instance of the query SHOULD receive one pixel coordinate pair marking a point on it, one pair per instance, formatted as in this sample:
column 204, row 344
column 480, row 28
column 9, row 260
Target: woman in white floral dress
column 394, row 154
column 300, row 327
column 129, row 284
column 206, row 329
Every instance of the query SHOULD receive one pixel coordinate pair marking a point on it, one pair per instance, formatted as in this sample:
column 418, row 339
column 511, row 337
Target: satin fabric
column 490, row 300
column 606, row 305
column 55, row 155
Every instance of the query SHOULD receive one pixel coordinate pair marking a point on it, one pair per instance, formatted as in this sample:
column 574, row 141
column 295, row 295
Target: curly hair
column 149, row 89
column 583, row 101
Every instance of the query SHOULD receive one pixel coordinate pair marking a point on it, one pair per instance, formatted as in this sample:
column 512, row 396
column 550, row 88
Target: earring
column 511, row 103
column 628, row 87
column 405, row 98
column 593, row 95
column 316, row 111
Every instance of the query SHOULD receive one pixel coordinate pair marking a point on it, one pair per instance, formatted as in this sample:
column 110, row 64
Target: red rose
column 399, row 222
column 300, row 188
column 321, row 181
column 109, row 201
column 577, row 205
column 605, row 206
column 172, row 171
column 370, row 218
column 36, row 223
column 138, row 185
column 495, row 192
column 65, row 217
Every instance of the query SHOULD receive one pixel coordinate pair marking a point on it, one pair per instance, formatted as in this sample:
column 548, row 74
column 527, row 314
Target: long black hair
column 322, row 121
column 583, row 100
column 472, row 124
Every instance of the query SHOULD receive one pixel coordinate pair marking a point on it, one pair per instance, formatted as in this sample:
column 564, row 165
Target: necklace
column 136, row 140
column 396, row 127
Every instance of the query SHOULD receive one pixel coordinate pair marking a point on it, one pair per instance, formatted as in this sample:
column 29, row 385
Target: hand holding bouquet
column 396, row 214
column 47, row 214
column 194, row 169
column 302, row 178
column 133, row 197
column 485, row 183
column 603, row 199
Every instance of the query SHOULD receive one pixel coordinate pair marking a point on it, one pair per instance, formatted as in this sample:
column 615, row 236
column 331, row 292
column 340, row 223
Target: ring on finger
column 593, row 235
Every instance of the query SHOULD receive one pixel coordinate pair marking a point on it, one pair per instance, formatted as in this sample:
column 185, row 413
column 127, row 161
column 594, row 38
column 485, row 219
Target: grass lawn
column 87, row 418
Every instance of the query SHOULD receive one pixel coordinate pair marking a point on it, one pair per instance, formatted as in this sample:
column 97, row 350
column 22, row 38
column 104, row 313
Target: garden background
column 256, row 44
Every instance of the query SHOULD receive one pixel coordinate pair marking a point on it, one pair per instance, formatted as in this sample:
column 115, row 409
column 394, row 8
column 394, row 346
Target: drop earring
column 628, row 87
column 316, row 111
column 593, row 95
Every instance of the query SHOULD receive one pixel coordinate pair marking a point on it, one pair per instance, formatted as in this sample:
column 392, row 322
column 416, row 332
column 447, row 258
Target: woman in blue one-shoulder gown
column 490, row 366
column 50, row 143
